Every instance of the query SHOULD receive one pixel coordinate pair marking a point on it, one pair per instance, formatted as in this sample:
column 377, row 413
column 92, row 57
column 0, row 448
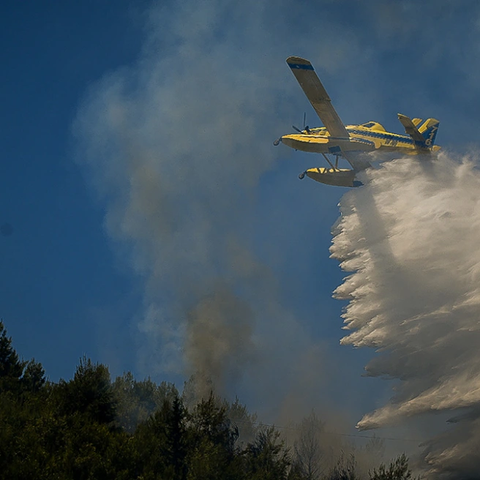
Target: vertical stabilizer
column 429, row 131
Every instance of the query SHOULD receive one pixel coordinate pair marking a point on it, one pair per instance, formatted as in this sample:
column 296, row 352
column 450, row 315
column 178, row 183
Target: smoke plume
column 411, row 239
column 176, row 147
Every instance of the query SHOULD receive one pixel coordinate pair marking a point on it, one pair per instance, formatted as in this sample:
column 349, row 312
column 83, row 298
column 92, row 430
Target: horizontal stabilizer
column 411, row 129
column 423, row 136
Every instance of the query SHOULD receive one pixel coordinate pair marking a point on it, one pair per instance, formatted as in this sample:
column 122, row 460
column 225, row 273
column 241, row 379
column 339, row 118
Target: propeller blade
column 297, row 129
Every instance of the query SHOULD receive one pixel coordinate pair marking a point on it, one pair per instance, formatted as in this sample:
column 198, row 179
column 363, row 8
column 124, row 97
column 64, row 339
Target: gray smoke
column 410, row 237
column 176, row 146
column 219, row 340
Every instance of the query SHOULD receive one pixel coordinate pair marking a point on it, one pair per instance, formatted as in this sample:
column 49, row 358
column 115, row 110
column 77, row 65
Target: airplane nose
column 290, row 140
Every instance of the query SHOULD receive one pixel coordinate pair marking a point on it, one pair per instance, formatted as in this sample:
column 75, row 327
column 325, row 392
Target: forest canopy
column 91, row 427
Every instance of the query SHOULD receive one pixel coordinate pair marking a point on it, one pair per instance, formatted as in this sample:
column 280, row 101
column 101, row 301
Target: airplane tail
column 424, row 135
column 428, row 131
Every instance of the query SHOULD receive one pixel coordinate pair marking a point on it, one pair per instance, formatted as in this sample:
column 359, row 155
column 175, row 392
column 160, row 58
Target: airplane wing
column 317, row 95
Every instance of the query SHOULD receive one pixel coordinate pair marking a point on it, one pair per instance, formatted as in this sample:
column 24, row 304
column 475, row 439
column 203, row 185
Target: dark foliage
column 92, row 428
column 345, row 469
column 397, row 470
column 17, row 376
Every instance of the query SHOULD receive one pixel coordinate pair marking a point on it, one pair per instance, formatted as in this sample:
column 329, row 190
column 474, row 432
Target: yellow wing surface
column 317, row 95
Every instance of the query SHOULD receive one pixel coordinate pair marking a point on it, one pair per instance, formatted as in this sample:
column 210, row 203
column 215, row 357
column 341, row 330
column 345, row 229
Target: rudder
column 429, row 131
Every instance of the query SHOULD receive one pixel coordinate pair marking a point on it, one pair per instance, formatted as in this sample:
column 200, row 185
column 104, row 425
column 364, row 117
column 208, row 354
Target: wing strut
column 330, row 163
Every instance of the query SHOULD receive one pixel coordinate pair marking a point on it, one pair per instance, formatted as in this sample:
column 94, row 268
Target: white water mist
column 411, row 238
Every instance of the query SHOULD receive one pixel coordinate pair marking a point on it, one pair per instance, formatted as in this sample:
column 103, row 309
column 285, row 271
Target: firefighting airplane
column 351, row 142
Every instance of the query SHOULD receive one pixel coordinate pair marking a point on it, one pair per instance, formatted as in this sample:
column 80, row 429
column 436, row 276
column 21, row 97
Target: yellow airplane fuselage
column 350, row 141
column 361, row 138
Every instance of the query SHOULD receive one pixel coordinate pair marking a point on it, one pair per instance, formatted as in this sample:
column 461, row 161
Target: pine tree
column 11, row 368
column 267, row 458
column 175, row 450
column 89, row 393
column 397, row 470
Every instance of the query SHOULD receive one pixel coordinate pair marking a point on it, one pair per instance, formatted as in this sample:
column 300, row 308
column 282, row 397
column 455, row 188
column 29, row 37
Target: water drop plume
column 410, row 237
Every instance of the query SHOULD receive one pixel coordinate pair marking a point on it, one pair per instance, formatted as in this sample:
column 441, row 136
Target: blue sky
column 58, row 267
column 77, row 276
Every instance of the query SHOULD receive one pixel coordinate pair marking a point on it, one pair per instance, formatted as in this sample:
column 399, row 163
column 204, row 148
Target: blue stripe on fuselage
column 386, row 136
column 300, row 66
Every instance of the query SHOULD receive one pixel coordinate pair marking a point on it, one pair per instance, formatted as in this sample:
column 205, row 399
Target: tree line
column 91, row 427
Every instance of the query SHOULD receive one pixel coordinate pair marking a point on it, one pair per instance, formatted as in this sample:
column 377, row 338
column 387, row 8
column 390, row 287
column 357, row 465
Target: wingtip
column 299, row 63
column 297, row 60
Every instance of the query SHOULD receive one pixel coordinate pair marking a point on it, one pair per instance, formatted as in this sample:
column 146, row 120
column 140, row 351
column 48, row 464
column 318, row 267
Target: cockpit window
column 318, row 130
column 368, row 125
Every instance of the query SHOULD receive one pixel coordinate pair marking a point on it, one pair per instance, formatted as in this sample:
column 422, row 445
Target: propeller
column 305, row 127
